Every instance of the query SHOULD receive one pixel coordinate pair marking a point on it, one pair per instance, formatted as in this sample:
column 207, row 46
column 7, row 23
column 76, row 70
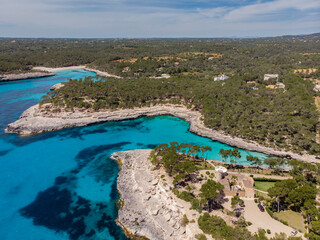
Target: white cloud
column 214, row 12
column 277, row 6
column 55, row 18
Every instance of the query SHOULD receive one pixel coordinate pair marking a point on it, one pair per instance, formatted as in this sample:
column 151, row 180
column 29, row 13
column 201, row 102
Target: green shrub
column 195, row 204
column 218, row 229
column 269, row 211
column 249, row 223
column 186, row 196
column 268, row 231
column 184, row 220
column 241, row 222
column 201, row 237
column 266, row 180
column 175, row 192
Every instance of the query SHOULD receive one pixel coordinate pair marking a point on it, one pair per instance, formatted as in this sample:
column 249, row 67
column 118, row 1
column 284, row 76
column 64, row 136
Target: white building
column 316, row 88
column 280, row 85
column 221, row 78
column 268, row 76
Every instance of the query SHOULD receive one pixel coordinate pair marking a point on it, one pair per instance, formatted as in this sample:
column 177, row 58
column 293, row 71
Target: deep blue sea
column 62, row 185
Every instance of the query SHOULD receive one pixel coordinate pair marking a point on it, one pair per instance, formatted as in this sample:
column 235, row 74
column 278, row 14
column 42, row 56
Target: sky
column 158, row 18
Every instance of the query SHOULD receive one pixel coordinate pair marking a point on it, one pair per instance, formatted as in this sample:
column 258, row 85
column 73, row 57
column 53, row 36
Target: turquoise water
column 62, row 185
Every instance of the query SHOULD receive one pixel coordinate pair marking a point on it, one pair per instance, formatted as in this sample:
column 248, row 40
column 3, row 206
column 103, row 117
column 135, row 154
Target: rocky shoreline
column 36, row 120
column 22, row 76
column 149, row 208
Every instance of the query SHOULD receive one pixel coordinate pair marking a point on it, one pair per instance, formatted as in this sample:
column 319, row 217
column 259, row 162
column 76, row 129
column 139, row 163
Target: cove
column 62, row 185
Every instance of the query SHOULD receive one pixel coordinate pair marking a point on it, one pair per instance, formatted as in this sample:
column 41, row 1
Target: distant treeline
column 134, row 58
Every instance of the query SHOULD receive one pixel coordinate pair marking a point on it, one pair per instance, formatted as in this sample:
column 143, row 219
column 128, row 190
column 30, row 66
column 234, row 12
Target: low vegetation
column 218, row 229
column 182, row 163
column 263, row 186
column 291, row 218
column 296, row 197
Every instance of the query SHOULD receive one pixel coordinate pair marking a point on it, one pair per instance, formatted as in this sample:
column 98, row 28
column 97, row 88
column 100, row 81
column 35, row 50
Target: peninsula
column 21, row 76
column 149, row 208
column 38, row 119
column 188, row 197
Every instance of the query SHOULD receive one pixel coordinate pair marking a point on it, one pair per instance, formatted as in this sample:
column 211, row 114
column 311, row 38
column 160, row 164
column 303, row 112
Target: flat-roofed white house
column 280, row 85
column 268, row 76
column 316, row 88
column 221, row 78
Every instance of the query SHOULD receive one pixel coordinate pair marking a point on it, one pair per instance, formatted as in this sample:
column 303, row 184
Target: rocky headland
column 149, row 208
column 41, row 119
column 56, row 86
column 21, row 76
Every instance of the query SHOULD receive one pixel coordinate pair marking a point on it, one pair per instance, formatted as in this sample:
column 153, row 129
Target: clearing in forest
column 305, row 71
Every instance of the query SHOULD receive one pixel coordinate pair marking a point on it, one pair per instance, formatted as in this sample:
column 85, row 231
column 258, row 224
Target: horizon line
column 234, row 37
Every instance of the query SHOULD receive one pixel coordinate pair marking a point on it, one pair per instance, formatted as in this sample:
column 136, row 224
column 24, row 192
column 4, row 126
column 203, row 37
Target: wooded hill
column 280, row 118
column 136, row 58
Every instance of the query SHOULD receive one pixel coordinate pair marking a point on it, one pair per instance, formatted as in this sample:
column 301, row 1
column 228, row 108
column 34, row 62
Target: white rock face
column 37, row 120
column 57, row 86
column 156, row 216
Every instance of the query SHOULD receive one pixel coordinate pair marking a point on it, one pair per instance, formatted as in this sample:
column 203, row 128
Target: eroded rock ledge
column 21, row 76
column 37, row 120
column 150, row 209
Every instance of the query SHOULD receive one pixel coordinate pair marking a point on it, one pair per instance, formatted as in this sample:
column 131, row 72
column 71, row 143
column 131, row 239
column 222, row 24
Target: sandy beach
column 48, row 69
column 98, row 72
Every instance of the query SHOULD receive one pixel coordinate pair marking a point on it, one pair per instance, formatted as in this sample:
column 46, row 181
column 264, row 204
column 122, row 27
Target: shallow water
column 62, row 185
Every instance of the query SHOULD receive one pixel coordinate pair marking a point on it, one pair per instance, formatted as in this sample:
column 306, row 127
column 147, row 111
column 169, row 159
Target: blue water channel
column 62, row 185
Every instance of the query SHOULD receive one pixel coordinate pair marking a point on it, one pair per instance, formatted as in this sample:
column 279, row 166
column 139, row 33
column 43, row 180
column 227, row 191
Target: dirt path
column 261, row 219
column 266, row 176
column 261, row 191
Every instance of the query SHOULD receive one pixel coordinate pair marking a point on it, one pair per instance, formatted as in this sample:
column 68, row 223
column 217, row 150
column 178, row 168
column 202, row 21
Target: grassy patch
column 263, row 186
column 293, row 219
column 264, row 195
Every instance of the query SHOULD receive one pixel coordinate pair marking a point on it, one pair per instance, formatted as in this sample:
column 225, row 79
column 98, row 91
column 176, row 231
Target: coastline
column 149, row 209
column 35, row 120
column 23, row 76
column 98, row 72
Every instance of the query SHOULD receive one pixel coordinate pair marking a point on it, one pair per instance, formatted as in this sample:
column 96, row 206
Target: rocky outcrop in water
column 149, row 208
column 21, row 76
column 37, row 120
column 57, row 86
